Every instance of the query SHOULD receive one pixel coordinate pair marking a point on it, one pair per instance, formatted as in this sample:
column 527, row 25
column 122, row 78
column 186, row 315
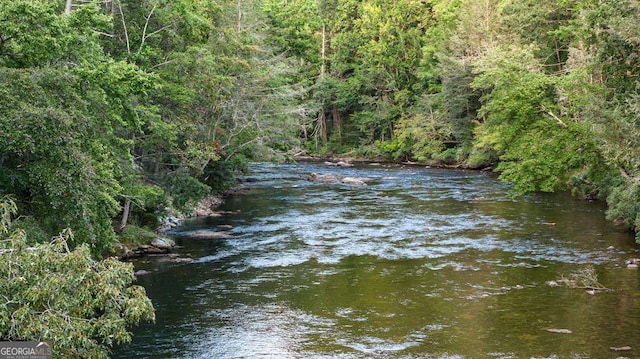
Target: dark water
column 422, row 263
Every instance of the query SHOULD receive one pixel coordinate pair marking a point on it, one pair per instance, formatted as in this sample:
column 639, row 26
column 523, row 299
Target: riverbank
column 347, row 158
column 620, row 218
column 138, row 242
column 158, row 244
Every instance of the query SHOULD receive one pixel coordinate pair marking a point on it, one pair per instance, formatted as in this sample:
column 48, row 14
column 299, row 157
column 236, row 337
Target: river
column 421, row 263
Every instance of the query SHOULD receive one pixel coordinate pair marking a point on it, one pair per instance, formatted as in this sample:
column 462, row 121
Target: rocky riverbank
column 159, row 244
column 205, row 208
column 347, row 160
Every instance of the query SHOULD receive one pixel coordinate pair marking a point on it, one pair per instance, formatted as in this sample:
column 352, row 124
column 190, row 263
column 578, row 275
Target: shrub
column 81, row 306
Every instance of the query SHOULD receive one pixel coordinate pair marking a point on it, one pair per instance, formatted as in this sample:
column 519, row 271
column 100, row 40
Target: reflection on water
column 422, row 263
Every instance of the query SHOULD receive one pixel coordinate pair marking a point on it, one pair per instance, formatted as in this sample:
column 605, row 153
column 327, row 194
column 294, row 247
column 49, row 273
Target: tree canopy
column 128, row 109
column 65, row 297
column 116, row 112
column 544, row 92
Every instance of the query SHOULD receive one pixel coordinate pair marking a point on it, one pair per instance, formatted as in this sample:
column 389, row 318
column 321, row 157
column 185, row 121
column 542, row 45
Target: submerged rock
column 559, row 331
column 209, row 234
column 338, row 164
column 327, row 178
column 183, row 260
column 633, row 263
column 334, row 179
column 174, row 258
column 354, row 181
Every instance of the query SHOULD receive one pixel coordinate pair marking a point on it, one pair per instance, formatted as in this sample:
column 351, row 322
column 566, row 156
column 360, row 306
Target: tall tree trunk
column 323, row 48
column 337, row 122
column 67, row 7
column 125, row 214
column 124, row 27
column 321, row 127
column 322, row 118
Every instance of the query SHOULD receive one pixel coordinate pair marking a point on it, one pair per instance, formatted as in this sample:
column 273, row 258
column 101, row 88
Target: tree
column 297, row 32
column 50, row 293
column 422, row 134
column 67, row 115
column 539, row 150
column 602, row 93
column 549, row 25
column 122, row 108
column 58, row 155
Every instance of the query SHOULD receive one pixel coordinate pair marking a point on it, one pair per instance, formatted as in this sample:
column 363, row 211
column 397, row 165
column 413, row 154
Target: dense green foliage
column 545, row 92
column 62, row 296
column 115, row 112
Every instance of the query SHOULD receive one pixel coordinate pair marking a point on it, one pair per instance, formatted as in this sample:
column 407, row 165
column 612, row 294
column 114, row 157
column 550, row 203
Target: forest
column 115, row 113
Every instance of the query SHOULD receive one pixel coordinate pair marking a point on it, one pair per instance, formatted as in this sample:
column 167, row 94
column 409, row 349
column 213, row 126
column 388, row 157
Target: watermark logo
column 25, row 350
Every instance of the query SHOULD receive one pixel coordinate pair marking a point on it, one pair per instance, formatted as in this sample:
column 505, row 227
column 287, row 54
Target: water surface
column 421, row 263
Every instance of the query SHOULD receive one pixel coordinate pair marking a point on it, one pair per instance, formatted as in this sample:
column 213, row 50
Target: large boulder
column 163, row 243
column 333, row 179
column 353, row 181
column 168, row 222
column 326, row 178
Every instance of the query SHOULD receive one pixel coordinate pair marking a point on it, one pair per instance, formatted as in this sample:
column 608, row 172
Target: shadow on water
column 422, row 263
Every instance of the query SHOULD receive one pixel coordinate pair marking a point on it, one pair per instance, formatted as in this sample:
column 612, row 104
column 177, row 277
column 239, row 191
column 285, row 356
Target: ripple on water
column 322, row 271
column 377, row 346
column 264, row 331
column 279, row 259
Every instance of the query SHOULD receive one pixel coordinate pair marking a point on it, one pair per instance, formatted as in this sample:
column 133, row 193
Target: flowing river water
column 421, row 263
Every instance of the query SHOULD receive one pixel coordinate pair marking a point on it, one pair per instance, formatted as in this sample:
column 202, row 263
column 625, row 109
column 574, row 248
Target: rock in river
column 339, row 164
column 327, row 178
column 209, row 234
column 163, row 243
column 559, row 331
column 354, row 181
column 621, row 349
